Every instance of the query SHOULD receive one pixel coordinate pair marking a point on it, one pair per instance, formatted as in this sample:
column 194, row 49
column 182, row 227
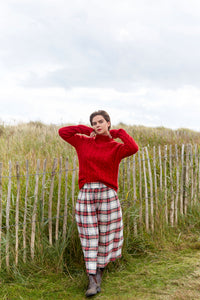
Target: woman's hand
column 110, row 136
column 92, row 134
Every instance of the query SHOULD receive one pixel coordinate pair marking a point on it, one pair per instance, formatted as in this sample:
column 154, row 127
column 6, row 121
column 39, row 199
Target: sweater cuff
column 114, row 133
column 85, row 129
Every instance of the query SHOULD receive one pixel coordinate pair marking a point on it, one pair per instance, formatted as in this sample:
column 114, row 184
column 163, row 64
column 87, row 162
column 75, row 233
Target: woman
column 98, row 211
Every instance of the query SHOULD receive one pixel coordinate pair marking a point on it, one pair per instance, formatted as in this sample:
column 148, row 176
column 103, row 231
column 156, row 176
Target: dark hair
column 102, row 113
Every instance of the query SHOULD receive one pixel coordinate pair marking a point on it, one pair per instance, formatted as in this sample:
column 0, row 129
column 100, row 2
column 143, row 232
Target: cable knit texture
column 99, row 156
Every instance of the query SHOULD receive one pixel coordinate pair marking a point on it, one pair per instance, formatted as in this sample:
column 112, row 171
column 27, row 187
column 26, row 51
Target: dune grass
column 36, row 140
column 154, row 266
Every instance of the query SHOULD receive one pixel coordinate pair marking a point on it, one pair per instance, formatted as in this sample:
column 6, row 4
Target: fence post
column 155, row 179
column 58, row 202
column 146, row 194
column 34, row 211
column 50, row 200
column 195, row 174
column 43, row 187
column 17, row 214
column 73, row 183
column 160, row 163
column 140, row 188
column 186, row 180
column 128, row 173
column 182, row 179
column 192, row 174
column 8, row 214
column 1, row 167
column 165, row 184
column 177, row 185
column 25, row 212
column 134, row 197
column 199, row 180
column 66, row 200
column 128, row 192
column 171, row 187
column 151, row 190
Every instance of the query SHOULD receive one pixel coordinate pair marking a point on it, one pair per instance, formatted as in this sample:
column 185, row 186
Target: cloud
column 150, row 107
column 99, row 44
column 60, row 60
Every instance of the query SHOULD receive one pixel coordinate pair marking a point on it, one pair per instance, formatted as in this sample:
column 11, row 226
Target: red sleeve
column 129, row 146
column 71, row 134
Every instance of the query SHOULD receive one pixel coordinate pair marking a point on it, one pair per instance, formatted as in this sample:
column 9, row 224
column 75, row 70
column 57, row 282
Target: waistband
column 94, row 185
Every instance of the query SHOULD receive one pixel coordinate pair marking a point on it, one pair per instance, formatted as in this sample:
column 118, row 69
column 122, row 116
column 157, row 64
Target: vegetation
column 36, row 140
column 151, row 261
column 168, row 276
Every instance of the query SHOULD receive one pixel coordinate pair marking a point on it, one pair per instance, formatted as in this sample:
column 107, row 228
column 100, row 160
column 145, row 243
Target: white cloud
column 170, row 108
column 60, row 60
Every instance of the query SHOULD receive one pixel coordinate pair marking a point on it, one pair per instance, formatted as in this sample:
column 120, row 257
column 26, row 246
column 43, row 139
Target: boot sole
column 92, row 294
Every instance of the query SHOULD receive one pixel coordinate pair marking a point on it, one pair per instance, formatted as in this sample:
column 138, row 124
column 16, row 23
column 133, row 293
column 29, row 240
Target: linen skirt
column 100, row 225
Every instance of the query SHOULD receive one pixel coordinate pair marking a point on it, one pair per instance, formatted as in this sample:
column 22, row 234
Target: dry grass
column 36, row 140
column 186, row 288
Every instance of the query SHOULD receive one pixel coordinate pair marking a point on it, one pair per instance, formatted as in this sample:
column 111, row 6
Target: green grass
column 160, row 275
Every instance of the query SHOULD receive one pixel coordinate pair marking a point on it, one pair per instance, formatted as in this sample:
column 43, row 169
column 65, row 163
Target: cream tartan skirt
column 100, row 225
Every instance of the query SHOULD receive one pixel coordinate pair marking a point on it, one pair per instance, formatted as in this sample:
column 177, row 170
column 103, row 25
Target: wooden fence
column 156, row 186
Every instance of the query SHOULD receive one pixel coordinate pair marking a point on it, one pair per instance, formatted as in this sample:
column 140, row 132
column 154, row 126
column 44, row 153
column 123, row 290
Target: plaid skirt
column 100, row 226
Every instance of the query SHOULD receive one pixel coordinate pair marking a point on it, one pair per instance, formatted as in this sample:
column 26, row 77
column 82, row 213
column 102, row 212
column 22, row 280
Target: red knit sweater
column 99, row 156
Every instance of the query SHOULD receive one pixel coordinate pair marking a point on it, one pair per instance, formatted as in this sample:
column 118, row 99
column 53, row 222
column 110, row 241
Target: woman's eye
column 101, row 121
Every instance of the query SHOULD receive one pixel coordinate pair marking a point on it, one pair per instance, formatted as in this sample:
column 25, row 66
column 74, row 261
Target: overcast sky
column 61, row 60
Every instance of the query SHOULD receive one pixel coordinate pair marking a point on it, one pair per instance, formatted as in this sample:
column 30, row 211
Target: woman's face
column 100, row 125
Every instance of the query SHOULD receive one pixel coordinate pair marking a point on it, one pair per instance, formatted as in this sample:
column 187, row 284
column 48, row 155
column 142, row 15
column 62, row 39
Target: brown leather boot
column 99, row 275
column 92, row 287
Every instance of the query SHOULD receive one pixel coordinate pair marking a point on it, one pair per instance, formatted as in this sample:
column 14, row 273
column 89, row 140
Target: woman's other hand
column 110, row 136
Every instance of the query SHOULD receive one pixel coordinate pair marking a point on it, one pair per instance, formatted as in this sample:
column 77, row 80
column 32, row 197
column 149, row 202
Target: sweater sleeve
column 129, row 146
column 71, row 134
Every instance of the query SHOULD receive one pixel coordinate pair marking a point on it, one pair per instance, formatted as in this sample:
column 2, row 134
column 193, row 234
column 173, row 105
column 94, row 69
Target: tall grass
column 35, row 141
